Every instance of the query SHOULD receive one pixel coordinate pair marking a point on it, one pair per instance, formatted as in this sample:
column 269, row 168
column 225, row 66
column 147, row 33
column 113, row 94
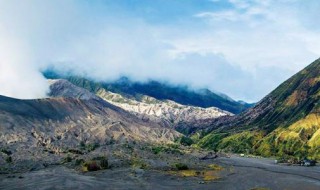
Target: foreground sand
column 238, row 173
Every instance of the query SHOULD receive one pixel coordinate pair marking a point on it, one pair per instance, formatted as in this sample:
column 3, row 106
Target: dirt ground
column 237, row 173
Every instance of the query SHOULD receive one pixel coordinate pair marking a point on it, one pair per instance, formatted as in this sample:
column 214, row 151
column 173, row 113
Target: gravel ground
column 239, row 173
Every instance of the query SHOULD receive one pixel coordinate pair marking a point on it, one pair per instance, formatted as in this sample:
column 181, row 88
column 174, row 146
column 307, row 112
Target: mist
column 103, row 40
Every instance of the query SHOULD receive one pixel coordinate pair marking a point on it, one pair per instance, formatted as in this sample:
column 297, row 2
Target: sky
column 243, row 48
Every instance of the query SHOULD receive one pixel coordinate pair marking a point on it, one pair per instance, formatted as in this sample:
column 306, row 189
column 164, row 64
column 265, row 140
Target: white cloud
column 19, row 77
column 219, row 16
column 233, row 50
column 258, row 35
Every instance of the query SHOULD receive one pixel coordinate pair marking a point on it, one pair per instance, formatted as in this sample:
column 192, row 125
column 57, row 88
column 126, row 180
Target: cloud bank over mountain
column 241, row 48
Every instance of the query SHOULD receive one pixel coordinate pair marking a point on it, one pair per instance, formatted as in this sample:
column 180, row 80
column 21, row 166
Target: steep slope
column 168, row 110
column 285, row 122
column 160, row 91
column 167, row 113
column 32, row 128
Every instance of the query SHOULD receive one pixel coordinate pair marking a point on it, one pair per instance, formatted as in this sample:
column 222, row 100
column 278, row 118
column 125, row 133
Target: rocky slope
column 285, row 122
column 167, row 110
column 161, row 91
column 46, row 130
column 167, row 113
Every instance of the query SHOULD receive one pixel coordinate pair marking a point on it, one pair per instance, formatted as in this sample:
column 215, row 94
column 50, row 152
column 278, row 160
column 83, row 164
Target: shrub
column 75, row 151
column 97, row 163
column 92, row 147
column 5, row 151
column 104, row 164
column 157, row 150
column 91, row 166
column 82, row 144
column 186, row 141
column 9, row 159
column 102, row 161
column 79, row 161
column 67, row 159
column 181, row 166
column 89, row 147
column 138, row 163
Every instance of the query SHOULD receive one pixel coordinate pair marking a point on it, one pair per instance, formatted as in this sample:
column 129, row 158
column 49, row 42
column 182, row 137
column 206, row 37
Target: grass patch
column 138, row 163
column 210, row 176
column 215, row 167
column 206, row 175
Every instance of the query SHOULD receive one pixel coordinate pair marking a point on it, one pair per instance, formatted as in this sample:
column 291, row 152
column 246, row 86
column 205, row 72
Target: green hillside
column 285, row 123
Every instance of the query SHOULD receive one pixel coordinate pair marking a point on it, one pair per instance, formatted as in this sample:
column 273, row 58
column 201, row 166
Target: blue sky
column 243, row 48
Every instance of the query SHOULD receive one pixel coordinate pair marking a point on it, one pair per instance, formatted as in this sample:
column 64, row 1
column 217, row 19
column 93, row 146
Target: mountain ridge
column 161, row 91
column 166, row 113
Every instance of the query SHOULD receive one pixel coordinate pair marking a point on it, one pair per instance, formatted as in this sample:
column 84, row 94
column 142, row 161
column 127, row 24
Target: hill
column 46, row 131
column 285, row 122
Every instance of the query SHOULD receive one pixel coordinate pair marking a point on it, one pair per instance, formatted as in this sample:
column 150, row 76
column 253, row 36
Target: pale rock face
column 167, row 110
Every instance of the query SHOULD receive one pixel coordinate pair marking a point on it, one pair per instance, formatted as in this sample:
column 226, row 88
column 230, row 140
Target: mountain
column 285, row 122
column 47, row 130
column 167, row 113
column 161, row 91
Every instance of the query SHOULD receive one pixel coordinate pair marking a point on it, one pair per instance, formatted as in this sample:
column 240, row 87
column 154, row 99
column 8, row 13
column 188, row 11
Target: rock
column 209, row 156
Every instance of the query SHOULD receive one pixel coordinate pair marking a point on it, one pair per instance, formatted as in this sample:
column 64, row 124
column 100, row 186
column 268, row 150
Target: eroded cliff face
column 46, row 130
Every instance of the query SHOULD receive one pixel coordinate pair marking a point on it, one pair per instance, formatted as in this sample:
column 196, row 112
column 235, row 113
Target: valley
column 127, row 138
column 160, row 94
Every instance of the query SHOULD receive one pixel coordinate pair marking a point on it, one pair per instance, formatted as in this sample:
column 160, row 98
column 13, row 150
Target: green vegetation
column 172, row 149
column 6, row 151
column 297, row 141
column 75, row 151
column 79, row 162
column 157, row 150
column 181, row 166
column 211, row 141
column 137, row 162
column 186, row 141
column 240, row 142
column 286, row 123
column 9, row 159
column 83, row 146
column 67, row 159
